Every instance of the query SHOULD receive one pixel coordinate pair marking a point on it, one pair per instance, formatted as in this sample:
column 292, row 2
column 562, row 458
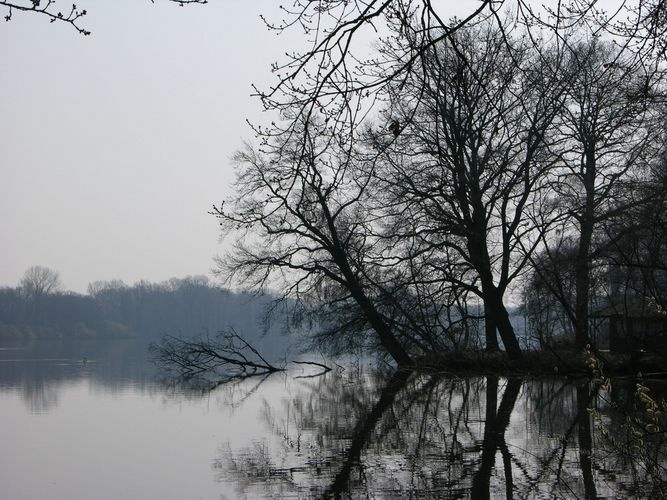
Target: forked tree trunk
column 502, row 320
column 493, row 299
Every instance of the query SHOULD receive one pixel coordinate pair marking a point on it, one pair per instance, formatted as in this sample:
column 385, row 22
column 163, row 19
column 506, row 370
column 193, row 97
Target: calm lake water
column 94, row 421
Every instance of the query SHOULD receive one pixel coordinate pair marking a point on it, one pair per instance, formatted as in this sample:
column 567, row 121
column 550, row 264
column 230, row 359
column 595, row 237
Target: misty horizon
column 116, row 145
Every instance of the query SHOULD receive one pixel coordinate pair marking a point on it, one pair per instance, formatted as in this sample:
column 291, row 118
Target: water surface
column 92, row 420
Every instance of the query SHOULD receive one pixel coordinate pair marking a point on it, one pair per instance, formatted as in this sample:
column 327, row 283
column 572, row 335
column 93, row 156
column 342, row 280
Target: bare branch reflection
column 422, row 435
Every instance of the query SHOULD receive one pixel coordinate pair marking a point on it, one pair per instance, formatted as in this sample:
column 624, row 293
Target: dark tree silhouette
column 304, row 227
column 607, row 135
column 334, row 70
column 466, row 176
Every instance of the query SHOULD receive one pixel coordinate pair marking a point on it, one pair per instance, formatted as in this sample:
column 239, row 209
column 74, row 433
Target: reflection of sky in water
column 126, row 444
column 90, row 421
column 85, row 433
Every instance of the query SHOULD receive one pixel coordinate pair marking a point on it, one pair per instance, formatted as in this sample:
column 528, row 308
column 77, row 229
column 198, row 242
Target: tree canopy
column 444, row 165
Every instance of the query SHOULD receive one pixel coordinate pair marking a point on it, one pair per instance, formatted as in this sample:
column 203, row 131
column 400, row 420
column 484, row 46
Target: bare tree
column 303, row 227
column 466, row 171
column 635, row 245
column 606, row 137
column 335, row 67
column 549, row 292
column 38, row 281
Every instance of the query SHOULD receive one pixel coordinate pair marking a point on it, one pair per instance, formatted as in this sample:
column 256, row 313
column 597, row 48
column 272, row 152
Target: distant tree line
column 189, row 306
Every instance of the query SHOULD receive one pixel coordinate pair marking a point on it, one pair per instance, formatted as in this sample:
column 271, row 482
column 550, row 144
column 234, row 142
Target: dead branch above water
column 227, row 355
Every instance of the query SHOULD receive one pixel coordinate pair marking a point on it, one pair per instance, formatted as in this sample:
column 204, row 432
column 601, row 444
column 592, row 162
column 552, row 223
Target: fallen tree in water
column 227, row 355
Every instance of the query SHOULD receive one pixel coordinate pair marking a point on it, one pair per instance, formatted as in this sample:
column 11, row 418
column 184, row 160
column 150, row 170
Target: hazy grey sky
column 113, row 147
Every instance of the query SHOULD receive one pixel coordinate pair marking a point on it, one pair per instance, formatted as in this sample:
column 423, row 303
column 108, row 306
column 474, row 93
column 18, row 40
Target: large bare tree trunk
column 502, row 320
column 490, row 330
column 385, row 334
column 383, row 330
column 492, row 296
column 582, row 264
column 582, row 290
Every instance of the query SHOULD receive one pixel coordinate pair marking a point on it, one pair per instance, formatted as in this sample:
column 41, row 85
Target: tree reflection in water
column 416, row 435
